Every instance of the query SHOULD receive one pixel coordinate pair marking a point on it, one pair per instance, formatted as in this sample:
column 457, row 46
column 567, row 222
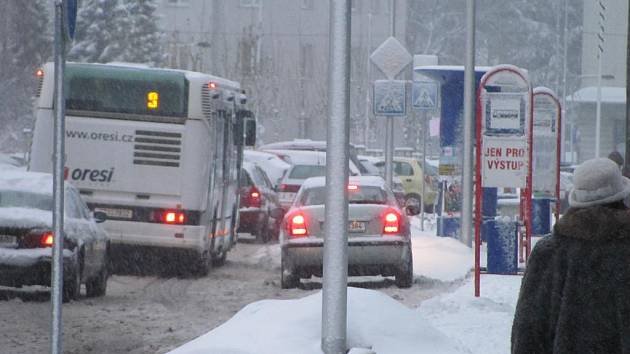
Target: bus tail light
column 173, row 217
column 297, row 226
column 391, row 223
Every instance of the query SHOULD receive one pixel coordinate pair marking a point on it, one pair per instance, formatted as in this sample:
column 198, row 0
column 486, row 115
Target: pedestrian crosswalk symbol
column 424, row 94
column 389, row 98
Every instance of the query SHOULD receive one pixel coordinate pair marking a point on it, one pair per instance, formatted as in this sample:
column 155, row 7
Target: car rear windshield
column 21, row 199
column 361, row 195
column 307, row 171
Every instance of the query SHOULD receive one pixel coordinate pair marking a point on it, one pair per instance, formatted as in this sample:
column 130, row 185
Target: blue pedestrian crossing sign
column 424, row 95
column 389, row 98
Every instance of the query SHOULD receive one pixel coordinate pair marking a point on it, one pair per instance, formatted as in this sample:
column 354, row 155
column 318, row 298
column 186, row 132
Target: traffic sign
column 69, row 18
column 389, row 98
column 391, row 57
column 424, row 95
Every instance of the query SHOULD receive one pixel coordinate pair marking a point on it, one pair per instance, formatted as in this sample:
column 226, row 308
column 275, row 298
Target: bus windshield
column 126, row 90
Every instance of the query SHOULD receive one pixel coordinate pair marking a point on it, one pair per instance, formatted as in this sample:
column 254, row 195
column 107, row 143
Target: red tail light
column 297, row 226
column 173, row 217
column 391, row 223
column 255, row 200
column 292, row 188
column 353, row 187
column 47, row 239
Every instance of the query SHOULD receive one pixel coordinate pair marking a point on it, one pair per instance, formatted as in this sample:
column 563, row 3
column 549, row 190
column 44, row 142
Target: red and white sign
column 504, row 162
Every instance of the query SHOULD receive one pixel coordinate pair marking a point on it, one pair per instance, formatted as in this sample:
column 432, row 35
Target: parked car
column 273, row 166
column 378, row 232
column 314, row 145
column 305, row 164
column 409, row 170
column 257, row 201
column 397, row 186
column 26, row 237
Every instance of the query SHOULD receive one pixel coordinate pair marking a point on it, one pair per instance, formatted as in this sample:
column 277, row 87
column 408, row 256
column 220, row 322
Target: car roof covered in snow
column 35, row 182
column 369, row 181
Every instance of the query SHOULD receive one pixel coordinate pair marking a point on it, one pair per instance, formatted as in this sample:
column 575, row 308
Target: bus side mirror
column 250, row 132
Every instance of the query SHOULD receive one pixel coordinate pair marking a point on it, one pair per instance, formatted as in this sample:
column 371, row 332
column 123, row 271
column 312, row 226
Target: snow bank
column 375, row 321
column 439, row 258
column 484, row 324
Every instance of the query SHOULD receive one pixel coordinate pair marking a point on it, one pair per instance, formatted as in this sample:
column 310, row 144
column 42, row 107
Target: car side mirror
column 412, row 210
column 100, row 217
column 277, row 213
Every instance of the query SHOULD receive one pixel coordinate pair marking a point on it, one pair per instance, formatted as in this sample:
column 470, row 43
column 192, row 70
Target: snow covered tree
column 25, row 43
column 102, row 27
column 145, row 39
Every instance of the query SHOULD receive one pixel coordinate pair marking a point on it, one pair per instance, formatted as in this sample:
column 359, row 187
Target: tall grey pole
column 598, row 108
column 366, row 131
column 469, row 118
column 424, row 165
column 334, row 293
column 389, row 128
column 59, row 128
column 563, row 109
column 627, row 165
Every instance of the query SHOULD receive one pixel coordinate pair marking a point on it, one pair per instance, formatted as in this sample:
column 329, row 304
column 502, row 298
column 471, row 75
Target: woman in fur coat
column 575, row 295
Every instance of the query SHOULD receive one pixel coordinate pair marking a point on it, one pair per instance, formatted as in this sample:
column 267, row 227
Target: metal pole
column 389, row 128
column 335, row 276
column 58, row 185
column 598, row 114
column 627, row 96
column 469, row 109
column 424, row 165
column 563, row 112
column 366, row 131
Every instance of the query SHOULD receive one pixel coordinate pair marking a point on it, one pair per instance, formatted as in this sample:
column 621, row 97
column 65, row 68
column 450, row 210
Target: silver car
column 378, row 232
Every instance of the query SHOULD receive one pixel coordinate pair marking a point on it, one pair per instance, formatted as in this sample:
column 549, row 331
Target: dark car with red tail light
column 26, row 237
column 379, row 240
column 257, row 200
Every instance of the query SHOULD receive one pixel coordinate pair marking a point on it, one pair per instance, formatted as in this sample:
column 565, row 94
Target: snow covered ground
column 452, row 322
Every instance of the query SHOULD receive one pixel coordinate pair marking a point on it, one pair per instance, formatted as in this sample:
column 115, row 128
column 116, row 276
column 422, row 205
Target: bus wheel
column 203, row 265
column 219, row 259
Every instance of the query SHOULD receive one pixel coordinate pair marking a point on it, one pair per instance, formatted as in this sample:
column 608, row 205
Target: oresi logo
column 87, row 174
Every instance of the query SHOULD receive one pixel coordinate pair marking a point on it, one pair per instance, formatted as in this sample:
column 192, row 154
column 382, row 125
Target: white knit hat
column 598, row 181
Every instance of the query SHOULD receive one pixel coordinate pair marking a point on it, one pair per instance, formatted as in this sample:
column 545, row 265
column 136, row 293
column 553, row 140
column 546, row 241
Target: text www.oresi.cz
column 115, row 137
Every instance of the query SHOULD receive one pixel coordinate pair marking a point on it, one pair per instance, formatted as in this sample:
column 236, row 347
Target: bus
column 157, row 150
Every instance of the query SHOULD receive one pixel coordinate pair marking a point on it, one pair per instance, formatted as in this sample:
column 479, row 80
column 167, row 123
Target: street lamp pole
column 600, row 53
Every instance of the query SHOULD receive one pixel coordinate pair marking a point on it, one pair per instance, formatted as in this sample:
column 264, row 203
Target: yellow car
column 409, row 170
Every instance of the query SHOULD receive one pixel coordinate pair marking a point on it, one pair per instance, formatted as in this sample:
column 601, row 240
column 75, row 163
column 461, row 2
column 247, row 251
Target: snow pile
column 375, row 321
column 439, row 258
column 483, row 325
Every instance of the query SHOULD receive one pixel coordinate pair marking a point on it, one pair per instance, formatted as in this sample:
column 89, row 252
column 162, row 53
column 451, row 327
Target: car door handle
column 408, row 180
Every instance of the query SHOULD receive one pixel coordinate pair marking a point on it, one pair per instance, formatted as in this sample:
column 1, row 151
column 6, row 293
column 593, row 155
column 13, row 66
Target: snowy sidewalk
column 454, row 322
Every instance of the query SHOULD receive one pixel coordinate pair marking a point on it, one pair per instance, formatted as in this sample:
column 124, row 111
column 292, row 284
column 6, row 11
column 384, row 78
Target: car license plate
column 286, row 196
column 116, row 213
column 356, row 226
column 8, row 241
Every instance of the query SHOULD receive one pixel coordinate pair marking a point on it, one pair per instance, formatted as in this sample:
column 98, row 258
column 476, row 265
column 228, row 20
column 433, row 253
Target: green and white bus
column 157, row 150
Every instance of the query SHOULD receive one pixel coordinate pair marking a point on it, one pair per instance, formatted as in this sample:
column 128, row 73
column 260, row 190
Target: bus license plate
column 117, row 213
column 356, row 226
column 8, row 241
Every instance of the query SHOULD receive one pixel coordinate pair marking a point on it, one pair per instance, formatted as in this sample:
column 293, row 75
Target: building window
column 178, row 2
column 246, row 56
column 306, row 60
column 307, row 4
column 376, row 6
column 251, row 3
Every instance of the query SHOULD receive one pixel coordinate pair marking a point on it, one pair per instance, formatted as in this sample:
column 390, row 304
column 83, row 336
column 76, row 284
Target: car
column 305, row 164
column 397, row 186
column 409, row 170
column 313, row 145
column 379, row 240
column 257, row 200
column 273, row 166
column 26, row 237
